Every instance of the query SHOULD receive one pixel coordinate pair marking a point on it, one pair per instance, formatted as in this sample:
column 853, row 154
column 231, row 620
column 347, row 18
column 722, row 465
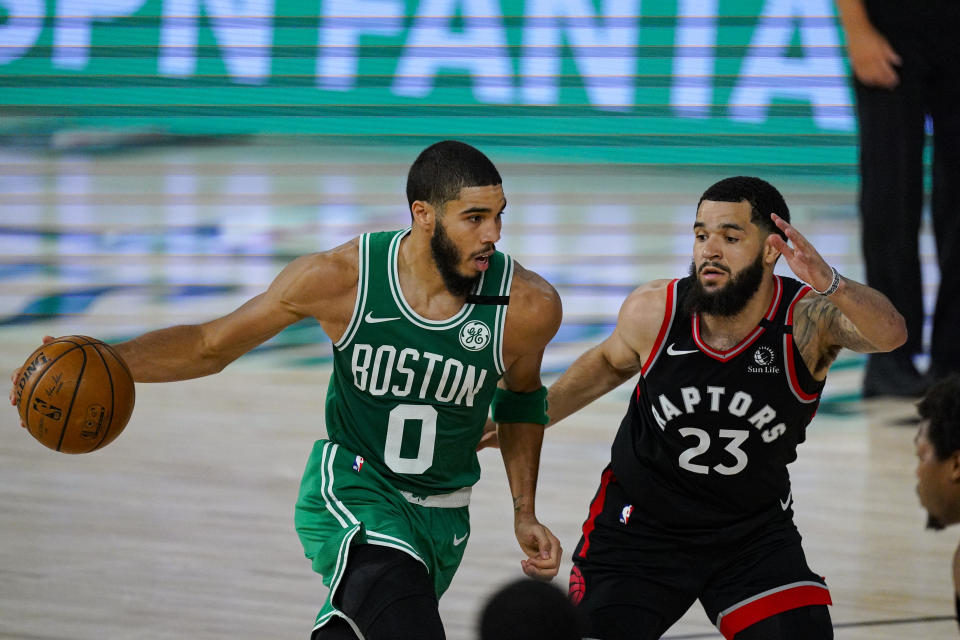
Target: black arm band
column 509, row 406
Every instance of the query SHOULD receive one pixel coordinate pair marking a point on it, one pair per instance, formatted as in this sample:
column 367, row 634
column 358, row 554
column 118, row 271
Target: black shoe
column 892, row 376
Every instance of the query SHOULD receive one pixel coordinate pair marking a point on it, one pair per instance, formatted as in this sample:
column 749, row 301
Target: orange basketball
column 75, row 394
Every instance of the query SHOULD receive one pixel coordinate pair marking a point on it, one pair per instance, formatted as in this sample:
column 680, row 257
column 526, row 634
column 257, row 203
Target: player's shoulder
column 532, row 294
column 655, row 289
column 321, row 275
column 535, row 307
column 532, row 288
column 342, row 257
column 646, row 304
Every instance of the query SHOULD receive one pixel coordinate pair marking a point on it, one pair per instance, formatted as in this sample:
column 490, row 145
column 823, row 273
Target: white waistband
column 455, row 500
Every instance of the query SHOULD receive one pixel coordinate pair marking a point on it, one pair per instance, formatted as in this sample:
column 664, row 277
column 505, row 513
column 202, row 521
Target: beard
column 934, row 523
column 731, row 298
column 447, row 257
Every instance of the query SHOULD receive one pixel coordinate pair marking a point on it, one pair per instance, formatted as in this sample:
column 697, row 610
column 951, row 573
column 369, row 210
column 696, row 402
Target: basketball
column 75, row 394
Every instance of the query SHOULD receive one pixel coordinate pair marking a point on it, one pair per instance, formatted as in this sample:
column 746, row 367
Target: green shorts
column 344, row 501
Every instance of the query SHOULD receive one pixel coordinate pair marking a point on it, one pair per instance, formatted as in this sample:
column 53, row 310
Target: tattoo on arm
column 820, row 330
column 517, row 500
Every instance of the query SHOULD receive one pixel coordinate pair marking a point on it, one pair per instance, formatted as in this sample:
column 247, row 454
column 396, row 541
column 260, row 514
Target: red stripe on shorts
column 788, row 597
column 595, row 508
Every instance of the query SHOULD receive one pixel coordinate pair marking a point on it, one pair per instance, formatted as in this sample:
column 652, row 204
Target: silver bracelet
column 833, row 285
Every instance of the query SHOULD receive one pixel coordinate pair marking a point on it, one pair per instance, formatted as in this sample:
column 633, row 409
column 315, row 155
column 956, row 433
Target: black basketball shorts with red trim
column 633, row 580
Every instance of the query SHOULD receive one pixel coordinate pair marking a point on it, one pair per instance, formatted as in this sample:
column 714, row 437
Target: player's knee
column 803, row 623
column 388, row 594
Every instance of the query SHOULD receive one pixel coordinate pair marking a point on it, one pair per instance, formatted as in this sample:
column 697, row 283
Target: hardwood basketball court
column 183, row 527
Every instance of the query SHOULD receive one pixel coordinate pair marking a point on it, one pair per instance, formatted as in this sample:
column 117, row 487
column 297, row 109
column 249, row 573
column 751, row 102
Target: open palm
column 804, row 260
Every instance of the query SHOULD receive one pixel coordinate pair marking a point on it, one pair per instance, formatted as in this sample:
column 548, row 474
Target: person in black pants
column 906, row 64
column 938, row 461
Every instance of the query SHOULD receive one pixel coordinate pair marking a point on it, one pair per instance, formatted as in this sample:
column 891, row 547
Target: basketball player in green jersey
column 424, row 321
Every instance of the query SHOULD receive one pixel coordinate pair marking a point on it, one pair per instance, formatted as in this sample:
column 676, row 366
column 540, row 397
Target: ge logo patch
column 763, row 356
column 474, row 335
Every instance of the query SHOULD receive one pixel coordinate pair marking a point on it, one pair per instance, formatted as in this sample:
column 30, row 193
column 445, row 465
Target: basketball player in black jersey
column 938, row 461
column 696, row 502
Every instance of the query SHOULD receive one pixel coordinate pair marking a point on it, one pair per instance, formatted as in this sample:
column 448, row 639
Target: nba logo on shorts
column 625, row 514
column 358, row 463
column 577, row 586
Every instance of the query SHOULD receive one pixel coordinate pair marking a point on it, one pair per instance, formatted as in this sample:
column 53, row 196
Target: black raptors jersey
column 708, row 434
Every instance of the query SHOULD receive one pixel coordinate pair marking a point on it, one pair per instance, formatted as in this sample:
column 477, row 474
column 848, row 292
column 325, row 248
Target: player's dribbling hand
column 16, row 375
column 541, row 546
column 490, row 438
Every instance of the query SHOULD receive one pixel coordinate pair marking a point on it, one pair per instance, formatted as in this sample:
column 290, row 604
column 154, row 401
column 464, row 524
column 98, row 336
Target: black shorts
column 633, row 580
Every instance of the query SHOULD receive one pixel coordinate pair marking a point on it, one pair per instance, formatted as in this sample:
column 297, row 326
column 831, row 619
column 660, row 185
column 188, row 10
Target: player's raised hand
column 541, row 546
column 804, row 260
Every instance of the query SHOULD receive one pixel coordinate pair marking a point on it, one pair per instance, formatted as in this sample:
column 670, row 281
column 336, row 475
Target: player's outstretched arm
column 533, row 318
column 317, row 284
column 615, row 360
column 854, row 316
column 607, row 365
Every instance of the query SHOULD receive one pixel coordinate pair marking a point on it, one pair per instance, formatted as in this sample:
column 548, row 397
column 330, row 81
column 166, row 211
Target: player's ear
column 770, row 251
column 423, row 214
column 954, row 462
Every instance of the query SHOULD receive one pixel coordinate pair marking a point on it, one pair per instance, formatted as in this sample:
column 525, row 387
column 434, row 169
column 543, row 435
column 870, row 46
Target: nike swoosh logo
column 676, row 352
column 458, row 541
column 784, row 504
column 372, row 320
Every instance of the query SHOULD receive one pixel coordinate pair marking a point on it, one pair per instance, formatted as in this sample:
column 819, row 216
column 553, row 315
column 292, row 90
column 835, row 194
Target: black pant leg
column 945, row 204
column 891, row 124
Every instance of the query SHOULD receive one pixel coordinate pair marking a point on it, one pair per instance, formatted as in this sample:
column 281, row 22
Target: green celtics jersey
column 411, row 395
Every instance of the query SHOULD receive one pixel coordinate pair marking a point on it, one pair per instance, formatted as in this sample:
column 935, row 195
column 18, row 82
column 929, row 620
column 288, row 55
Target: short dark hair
column 526, row 609
column 941, row 408
column 444, row 168
column 763, row 197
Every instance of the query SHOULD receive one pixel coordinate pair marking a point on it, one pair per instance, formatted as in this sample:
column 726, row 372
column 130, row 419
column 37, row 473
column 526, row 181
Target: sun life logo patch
column 474, row 335
column 763, row 356
column 765, row 359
